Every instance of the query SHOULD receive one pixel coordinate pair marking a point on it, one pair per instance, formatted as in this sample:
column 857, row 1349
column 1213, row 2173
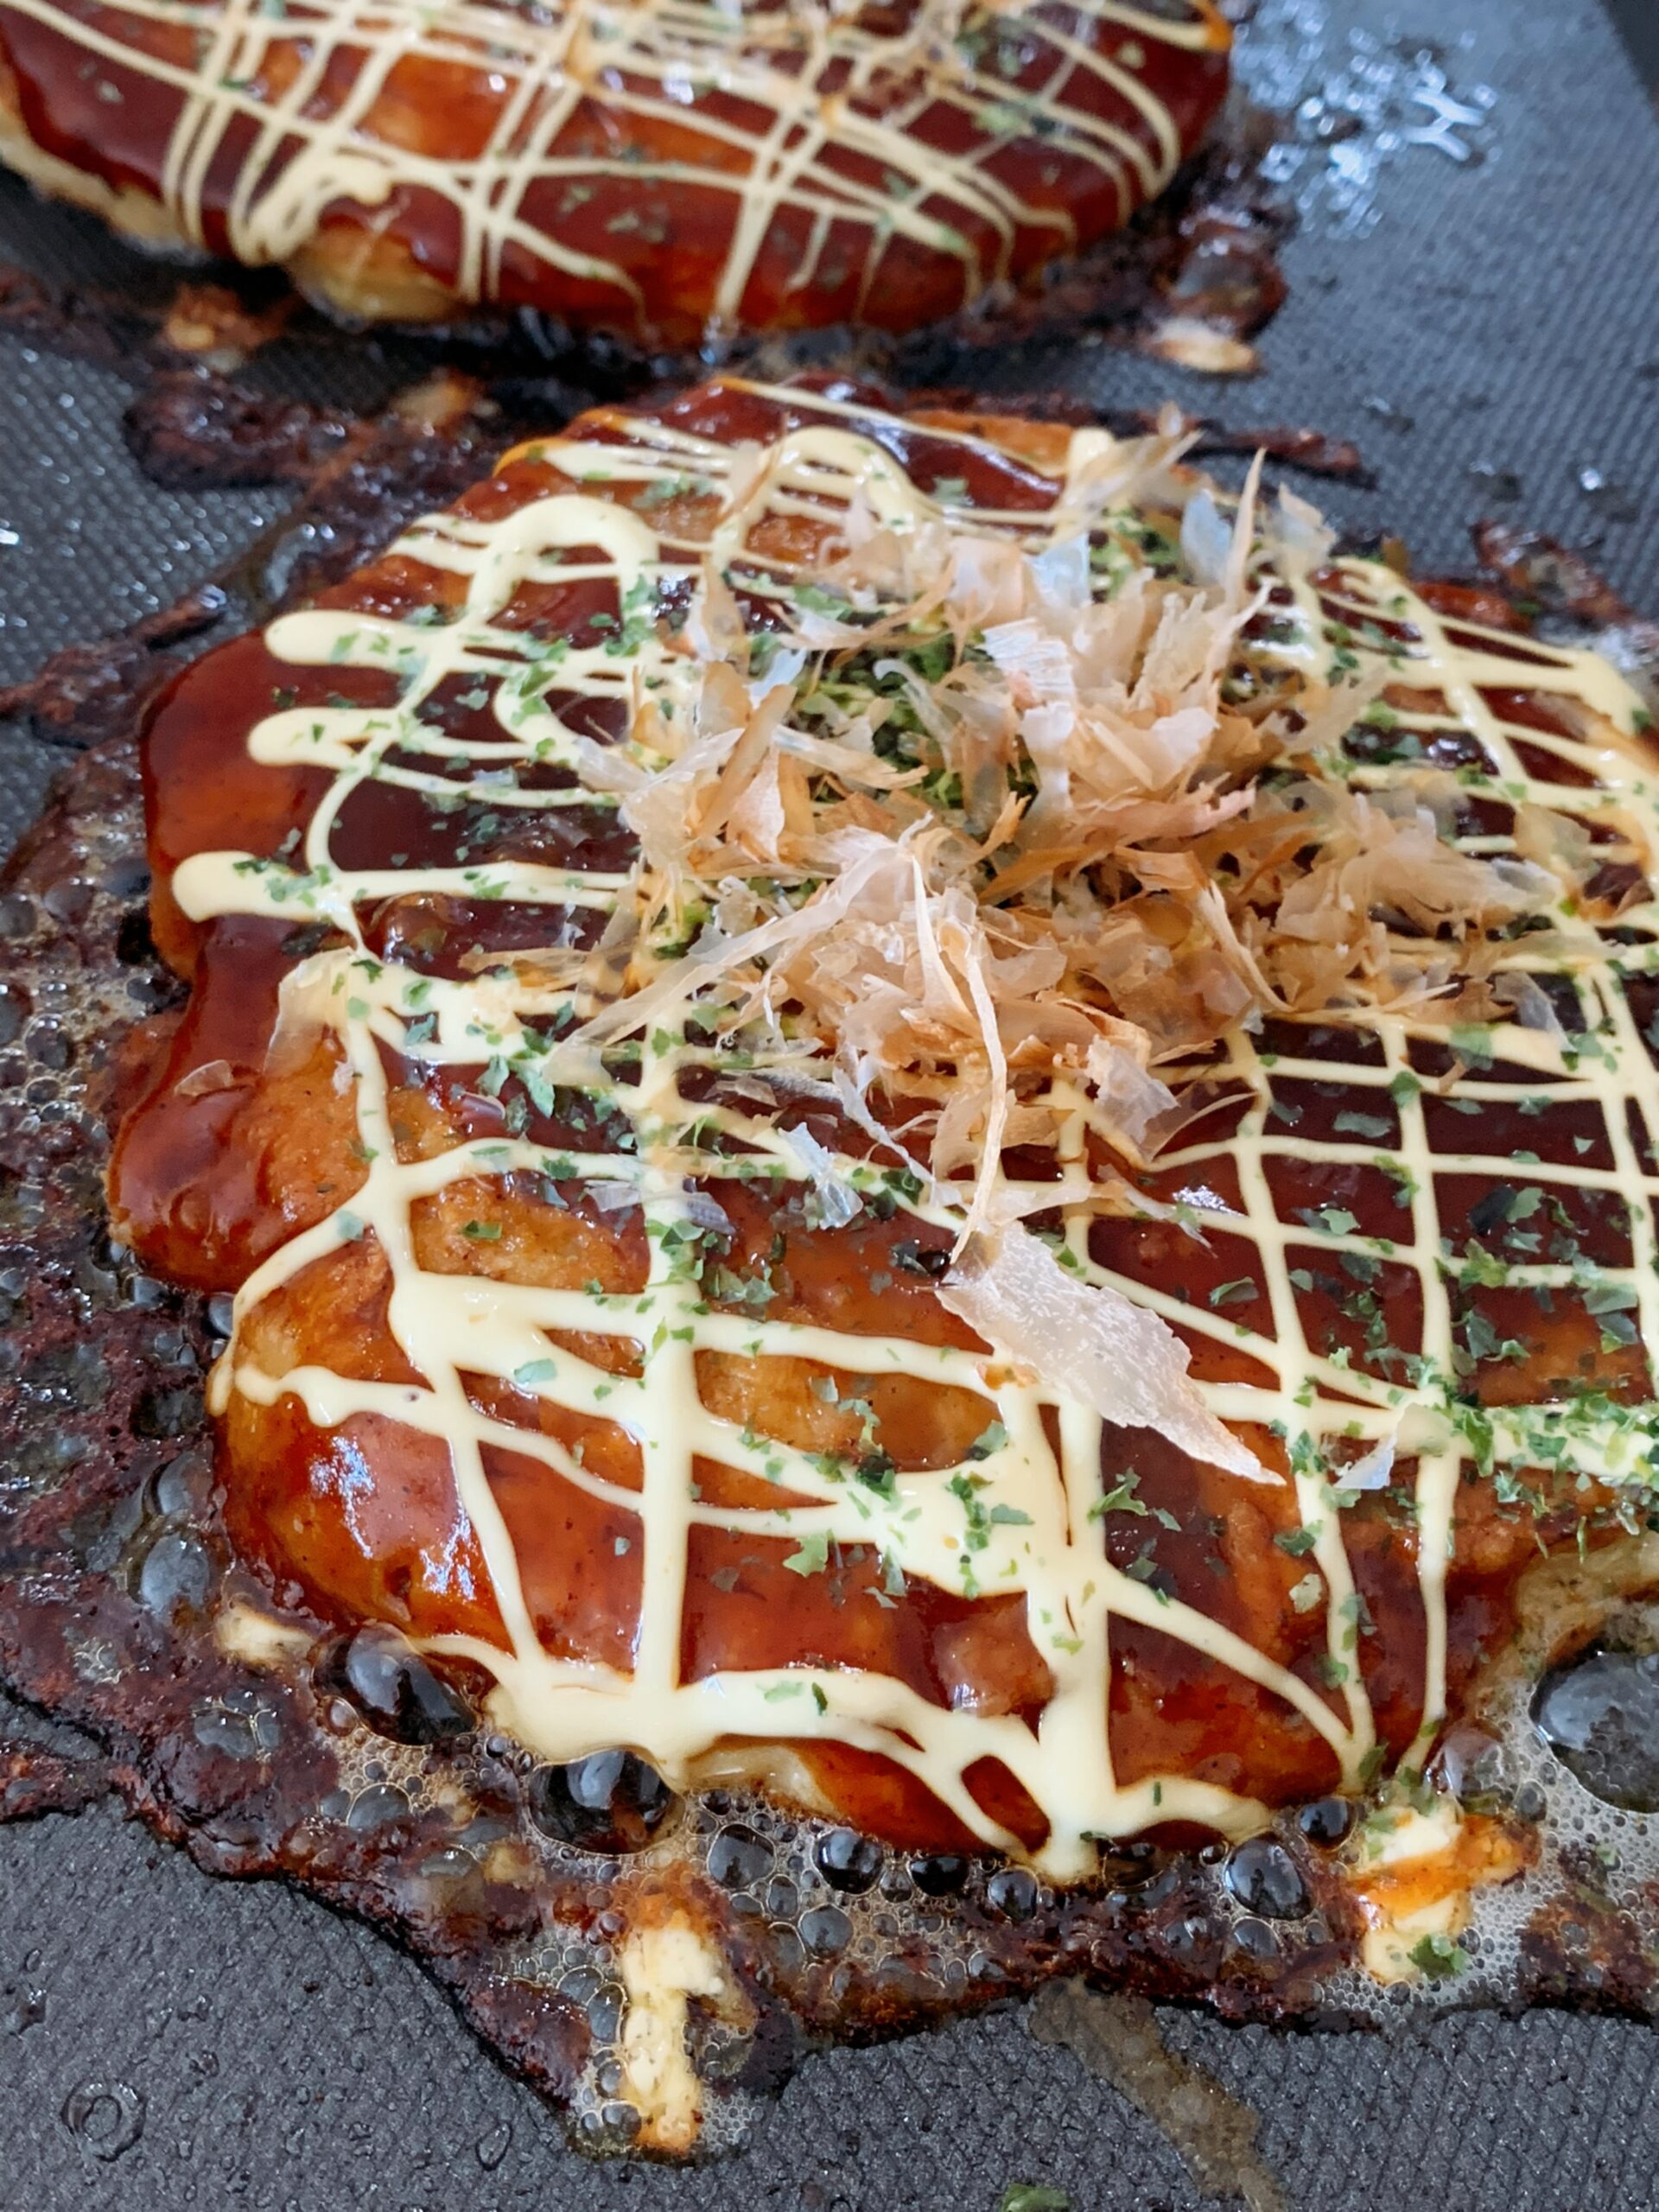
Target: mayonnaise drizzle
column 453, row 1326
column 803, row 122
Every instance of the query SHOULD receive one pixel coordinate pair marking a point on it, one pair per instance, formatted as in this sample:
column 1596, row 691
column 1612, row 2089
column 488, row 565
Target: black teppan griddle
column 1472, row 300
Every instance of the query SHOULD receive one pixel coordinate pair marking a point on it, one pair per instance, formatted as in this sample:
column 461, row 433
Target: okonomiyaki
column 672, row 170
column 925, row 1159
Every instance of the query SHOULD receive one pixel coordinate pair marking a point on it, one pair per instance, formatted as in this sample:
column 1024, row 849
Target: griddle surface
column 286, row 2061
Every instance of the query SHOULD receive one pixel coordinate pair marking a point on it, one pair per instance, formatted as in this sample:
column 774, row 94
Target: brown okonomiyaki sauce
column 1273, row 1642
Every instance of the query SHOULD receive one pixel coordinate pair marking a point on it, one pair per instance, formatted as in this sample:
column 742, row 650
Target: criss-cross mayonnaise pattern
column 1036, row 1507
column 799, row 109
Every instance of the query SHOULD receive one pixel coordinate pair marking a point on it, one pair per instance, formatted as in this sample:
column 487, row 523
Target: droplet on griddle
column 606, row 2010
column 183, row 1484
column 1265, row 1879
column 106, row 2118
column 127, row 875
column 1600, row 1717
column 1613, row 501
column 825, row 1930
column 847, row 1860
column 610, row 1801
column 396, row 1691
column 491, row 2149
column 378, row 1808
column 940, row 1875
column 1191, row 1941
column 738, row 1858
column 783, row 1899
column 1475, row 1769
column 1253, row 1940
column 68, row 900
column 1012, row 1892
column 1130, row 1865
column 177, row 1572
column 448, row 1865
column 1326, row 1821
column 50, row 1045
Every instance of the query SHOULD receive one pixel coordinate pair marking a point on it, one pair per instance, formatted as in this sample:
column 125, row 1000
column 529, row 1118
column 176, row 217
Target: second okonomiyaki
column 675, row 172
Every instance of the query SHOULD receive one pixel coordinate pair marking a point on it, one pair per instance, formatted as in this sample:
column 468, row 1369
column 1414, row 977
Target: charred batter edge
column 264, row 1744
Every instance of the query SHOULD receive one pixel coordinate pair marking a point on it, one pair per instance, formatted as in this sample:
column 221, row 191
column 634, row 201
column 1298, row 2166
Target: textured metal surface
column 277, row 2057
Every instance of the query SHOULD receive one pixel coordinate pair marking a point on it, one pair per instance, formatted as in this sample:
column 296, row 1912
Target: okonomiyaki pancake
column 672, row 170
column 926, row 1158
